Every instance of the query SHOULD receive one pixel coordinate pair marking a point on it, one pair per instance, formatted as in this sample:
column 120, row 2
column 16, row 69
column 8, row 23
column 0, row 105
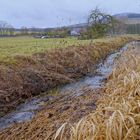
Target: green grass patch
column 26, row 46
column 10, row 47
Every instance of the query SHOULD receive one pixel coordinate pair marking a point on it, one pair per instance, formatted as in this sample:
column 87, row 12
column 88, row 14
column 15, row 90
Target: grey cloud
column 48, row 13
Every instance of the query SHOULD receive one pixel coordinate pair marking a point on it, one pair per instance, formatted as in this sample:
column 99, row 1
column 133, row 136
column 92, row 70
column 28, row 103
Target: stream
column 27, row 111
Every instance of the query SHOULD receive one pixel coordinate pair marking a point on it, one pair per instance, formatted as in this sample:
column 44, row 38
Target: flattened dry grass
column 118, row 114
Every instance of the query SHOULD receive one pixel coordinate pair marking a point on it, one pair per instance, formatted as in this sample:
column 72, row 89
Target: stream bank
column 32, row 75
column 27, row 111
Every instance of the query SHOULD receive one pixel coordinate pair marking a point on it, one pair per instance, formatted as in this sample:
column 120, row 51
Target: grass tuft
column 118, row 114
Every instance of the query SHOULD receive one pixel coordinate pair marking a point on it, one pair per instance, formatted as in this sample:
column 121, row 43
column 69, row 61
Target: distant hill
column 80, row 25
column 128, row 15
column 129, row 18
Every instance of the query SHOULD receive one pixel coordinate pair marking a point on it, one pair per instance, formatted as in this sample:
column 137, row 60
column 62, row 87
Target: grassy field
column 26, row 46
column 10, row 47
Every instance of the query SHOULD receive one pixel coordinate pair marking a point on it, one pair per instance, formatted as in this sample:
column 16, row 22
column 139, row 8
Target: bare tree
column 6, row 29
column 99, row 24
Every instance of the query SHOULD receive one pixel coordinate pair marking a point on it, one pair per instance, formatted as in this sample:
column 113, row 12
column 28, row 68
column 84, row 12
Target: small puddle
column 28, row 110
column 23, row 112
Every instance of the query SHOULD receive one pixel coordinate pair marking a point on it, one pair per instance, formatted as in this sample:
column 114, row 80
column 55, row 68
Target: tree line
column 99, row 24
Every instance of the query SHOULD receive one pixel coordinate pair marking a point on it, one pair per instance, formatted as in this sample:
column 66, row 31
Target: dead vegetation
column 115, row 118
column 29, row 76
column 118, row 114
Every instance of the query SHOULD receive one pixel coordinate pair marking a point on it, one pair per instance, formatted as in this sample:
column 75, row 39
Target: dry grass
column 116, row 118
column 118, row 114
column 31, row 75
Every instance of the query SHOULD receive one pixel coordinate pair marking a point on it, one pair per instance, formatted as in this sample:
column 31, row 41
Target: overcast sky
column 51, row 13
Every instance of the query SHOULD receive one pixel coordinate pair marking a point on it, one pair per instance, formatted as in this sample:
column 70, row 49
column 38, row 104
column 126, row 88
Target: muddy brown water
column 27, row 111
